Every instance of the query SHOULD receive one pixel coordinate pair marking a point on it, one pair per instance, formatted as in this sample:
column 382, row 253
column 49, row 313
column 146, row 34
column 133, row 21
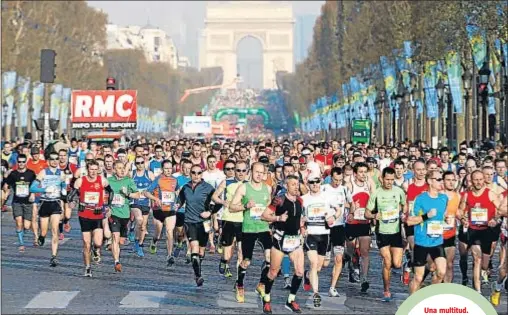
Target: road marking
column 143, row 299
column 399, row 298
column 52, row 299
column 328, row 303
column 227, row 299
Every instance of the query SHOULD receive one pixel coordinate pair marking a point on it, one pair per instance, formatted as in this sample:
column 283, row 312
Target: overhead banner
column 197, row 124
column 104, row 109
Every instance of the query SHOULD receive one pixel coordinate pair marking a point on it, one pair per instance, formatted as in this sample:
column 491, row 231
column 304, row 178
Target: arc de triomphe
column 228, row 22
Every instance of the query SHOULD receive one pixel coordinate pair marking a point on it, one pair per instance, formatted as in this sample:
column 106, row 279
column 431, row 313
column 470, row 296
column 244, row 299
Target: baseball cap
column 264, row 160
column 306, row 151
column 370, row 159
column 302, row 160
column 34, row 150
column 313, row 178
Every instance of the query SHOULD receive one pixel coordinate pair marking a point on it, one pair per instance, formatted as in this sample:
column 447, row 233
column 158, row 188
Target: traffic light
column 110, row 83
column 48, row 66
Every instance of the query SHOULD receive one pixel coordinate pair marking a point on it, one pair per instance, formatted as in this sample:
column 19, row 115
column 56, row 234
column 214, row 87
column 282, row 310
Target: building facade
column 154, row 42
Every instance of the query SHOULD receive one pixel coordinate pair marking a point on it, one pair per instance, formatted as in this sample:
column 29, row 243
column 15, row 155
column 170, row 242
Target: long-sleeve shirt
column 196, row 200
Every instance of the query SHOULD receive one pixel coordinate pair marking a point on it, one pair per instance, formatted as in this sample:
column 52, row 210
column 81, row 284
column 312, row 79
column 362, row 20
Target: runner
column 385, row 206
column 196, row 196
column 140, row 208
column 340, row 198
column 252, row 198
column 358, row 226
column 156, row 162
column 90, row 212
column 162, row 191
column 288, row 226
column 50, row 182
column 503, row 267
column 430, row 213
column 123, row 189
column 319, row 211
column 480, row 206
column 68, row 169
column 19, row 181
column 231, row 221
column 182, row 179
column 417, row 186
column 450, row 230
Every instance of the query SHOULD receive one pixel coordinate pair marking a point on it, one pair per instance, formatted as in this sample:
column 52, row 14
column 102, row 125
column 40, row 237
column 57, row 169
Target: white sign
column 197, row 124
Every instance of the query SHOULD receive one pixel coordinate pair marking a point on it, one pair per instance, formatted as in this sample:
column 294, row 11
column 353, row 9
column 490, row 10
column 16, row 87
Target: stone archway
column 228, row 23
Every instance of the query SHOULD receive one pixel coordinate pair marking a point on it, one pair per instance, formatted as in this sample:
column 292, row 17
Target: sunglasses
column 438, row 179
column 312, row 182
column 56, row 159
column 23, row 161
column 229, row 169
column 241, row 171
column 140, row 163
column 196, row 173
column 146, row 154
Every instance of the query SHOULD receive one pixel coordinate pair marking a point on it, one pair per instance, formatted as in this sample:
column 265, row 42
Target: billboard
column 107, row 109
column 197, row 124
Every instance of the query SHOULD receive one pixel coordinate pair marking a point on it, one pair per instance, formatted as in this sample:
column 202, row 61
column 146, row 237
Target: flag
column 22, row 104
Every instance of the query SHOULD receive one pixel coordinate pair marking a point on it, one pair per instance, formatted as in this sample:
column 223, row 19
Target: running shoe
column 227, row 272
column 41, row 240
column 21, row 249
column 171, row 261
column 131, row 236
column 118, row 267
column 53, row 262
column 88, row 272
column 267, row 307
column 306, row 281
column 293, row 307
column 260, row 289
column 240, row 294
column 222, row 267
column 333, row 292
column 200, row 281
column 96, row 255
column 485, row 277
column 188, row 258
column 365, row 286
column 287, row 283
column 153, row 248
column 494, row 297
column 67, row 227
column 61, row 237
column 354, row 277
column 406, row 275
column 316, row 299
column 387, row 297
column 140, row 252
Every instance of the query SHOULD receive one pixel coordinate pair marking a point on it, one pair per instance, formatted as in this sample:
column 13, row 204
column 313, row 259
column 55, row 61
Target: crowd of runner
column 330, row 202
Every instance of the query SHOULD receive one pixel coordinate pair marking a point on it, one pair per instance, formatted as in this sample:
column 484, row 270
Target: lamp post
column 440, row 95
column 483, row 91
column 406, row 111
column 467, row 77
column 394, row 121
column 336, row 126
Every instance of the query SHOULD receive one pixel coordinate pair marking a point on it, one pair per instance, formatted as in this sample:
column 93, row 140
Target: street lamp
column 467, row 78
column 395, row 98
column 440, row 89
column 483, row 83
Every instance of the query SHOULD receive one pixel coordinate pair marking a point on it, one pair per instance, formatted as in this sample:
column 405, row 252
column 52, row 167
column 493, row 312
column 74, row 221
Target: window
column 156, row 41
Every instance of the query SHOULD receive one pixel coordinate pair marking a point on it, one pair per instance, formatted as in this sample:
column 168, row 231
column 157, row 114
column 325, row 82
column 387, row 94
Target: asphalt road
column 146, row 285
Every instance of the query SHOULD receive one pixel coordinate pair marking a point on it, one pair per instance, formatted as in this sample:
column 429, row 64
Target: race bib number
column 389, row 215
column 479, row 216
column 168, row 198
column 434, row 228
column 118, row 200
column 207, row 225
column 157, row 171
column 141, row 192
column 22, row 190
column 73, row 160
column 448, row 227
column 290, row 243
column 53, row 192
column 317, row 213
column 257, row 211
column 359, row 214
column 92, row 198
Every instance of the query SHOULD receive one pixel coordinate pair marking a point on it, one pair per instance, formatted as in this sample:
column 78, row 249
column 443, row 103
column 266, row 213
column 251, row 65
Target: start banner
column 106, row 109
